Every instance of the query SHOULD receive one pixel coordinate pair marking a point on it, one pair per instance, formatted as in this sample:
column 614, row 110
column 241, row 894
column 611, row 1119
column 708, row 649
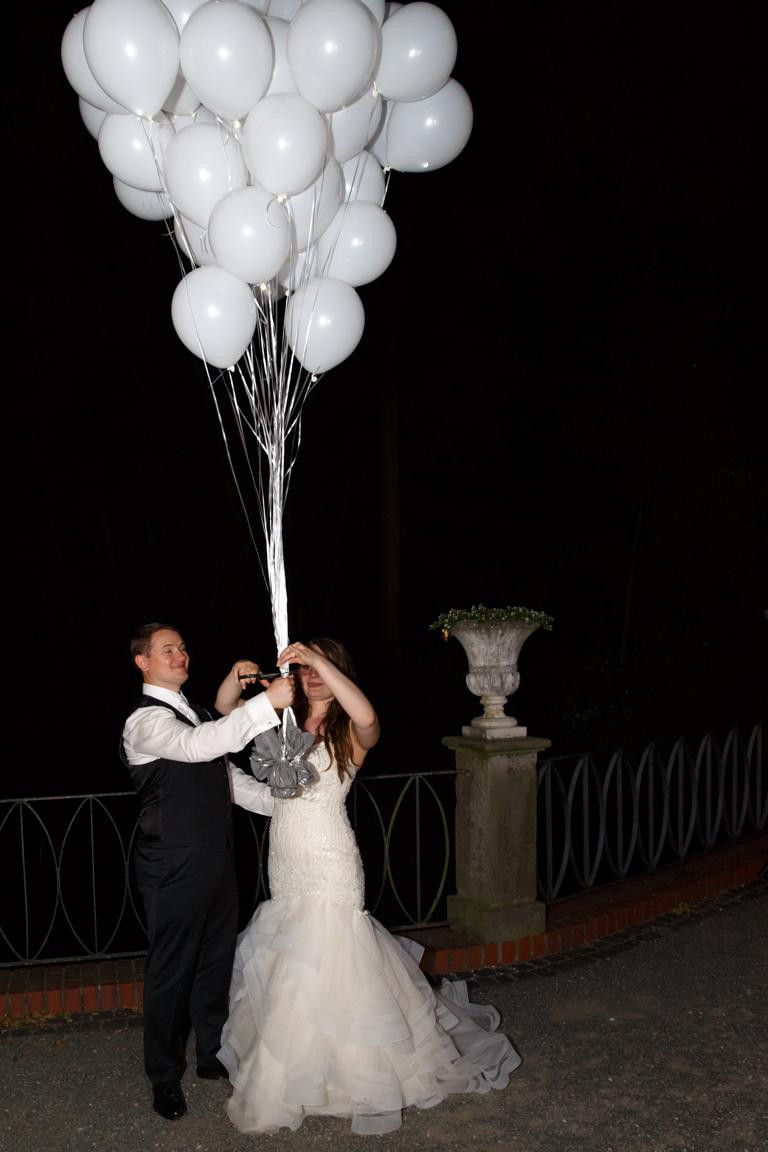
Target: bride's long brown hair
column 335, row 726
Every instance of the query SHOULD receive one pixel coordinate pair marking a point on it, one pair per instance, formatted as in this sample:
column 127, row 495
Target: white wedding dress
column 329, row 1014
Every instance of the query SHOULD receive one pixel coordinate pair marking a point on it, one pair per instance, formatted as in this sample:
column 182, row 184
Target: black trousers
column 191, row 907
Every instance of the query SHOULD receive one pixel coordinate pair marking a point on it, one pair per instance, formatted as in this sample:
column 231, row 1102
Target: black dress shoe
column 168, row 1100
column 214, row 1070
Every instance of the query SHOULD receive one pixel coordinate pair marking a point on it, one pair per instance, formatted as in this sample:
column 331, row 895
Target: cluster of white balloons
column 263, row 129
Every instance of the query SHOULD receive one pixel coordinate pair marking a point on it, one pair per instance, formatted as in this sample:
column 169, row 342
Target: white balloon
column 182, row 101
column 91, row 117
column 358, row 245
column 418, row 52
column 378, row 142
column 76, row 67
column 133, row 51
column 324, row 321
column 132, row 149
column 284, row 141
column 297, row 270
column 139, row 202
column 378, row 8
column 364, row 179
column 203, row 163
column 201, row 115
column 284, row 9
column 333, row 51
column 193, row 240
column 214, row 315
column 250, row 234
column 282, row 80
column 181, row 10
column 390, row 8
column 312, row 210
column 420, row 135
column 227, row 56
column 352, row 127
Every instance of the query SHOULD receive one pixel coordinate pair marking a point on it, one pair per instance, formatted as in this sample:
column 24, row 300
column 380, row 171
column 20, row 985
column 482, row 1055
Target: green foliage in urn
column 482, row 615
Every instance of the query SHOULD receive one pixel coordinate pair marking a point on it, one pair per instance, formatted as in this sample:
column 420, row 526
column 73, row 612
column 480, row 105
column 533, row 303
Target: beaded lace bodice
column 312, row 848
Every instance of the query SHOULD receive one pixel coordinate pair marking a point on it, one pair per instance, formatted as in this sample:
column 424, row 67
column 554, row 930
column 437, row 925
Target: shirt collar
column 166, row 695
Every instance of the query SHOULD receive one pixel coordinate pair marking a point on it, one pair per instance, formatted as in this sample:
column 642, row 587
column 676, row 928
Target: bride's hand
column 299, row 654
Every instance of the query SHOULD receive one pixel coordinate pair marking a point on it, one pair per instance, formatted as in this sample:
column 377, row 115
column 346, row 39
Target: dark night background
column 558, row 401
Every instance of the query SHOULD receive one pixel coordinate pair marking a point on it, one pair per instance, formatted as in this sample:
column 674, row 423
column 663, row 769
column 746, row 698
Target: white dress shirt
column 155, row 733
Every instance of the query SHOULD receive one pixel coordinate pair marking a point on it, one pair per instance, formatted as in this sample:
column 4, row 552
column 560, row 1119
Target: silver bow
column 277, row 756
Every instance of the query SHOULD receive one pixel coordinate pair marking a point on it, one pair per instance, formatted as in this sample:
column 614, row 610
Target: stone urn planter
column 492, row 639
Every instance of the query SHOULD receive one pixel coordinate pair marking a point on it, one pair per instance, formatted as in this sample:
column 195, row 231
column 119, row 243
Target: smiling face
column 166, row 664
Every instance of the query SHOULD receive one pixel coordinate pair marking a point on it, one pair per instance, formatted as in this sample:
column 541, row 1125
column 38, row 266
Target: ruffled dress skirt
column 330, row 1014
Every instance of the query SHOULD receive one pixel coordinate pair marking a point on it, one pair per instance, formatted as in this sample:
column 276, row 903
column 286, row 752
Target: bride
column 329, row 1014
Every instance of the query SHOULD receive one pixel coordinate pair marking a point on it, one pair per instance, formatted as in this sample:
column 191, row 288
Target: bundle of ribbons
column 278, row 756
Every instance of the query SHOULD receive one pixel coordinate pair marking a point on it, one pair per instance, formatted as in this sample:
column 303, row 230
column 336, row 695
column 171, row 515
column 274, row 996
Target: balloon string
column 266, row 391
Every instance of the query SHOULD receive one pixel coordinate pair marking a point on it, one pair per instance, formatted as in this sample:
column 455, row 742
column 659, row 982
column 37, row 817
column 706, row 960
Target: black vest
column 181, row 803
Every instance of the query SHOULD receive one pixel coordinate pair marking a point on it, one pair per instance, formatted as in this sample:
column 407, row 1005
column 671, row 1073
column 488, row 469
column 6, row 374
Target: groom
column 184, row 863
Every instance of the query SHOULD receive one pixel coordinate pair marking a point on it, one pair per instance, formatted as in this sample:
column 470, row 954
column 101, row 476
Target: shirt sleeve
column 249, row 793
column 155, row 733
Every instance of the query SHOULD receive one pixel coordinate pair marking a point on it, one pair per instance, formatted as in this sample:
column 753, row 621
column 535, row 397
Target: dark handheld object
column 265, row 675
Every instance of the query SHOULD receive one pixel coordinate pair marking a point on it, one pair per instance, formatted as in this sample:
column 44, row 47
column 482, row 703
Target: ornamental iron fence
column 605, row 816
column 69, row 893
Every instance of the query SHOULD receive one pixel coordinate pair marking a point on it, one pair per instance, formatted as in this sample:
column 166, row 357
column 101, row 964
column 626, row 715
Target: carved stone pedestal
column 496, row 838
